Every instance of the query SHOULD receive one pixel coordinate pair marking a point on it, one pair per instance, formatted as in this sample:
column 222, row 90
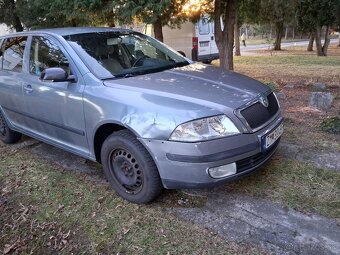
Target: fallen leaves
column 60, row 207
column 14, row 246
column 125, row 230
column 59, row 241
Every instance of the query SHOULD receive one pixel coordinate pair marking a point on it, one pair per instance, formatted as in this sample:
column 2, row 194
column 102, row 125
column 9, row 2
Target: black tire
column 182, row 53
column 130, row 169
column 208, row 62
column 7, row 135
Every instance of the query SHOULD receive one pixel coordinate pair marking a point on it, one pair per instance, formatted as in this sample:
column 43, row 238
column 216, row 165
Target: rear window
column 203, row 26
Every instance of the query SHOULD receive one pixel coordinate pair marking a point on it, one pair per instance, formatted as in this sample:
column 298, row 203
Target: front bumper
column 185, row 165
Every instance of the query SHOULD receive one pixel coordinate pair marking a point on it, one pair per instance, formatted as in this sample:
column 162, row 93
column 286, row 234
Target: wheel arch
column 102, row 132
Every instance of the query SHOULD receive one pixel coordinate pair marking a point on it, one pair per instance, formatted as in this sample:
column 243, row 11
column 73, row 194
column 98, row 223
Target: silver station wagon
column 151, row 117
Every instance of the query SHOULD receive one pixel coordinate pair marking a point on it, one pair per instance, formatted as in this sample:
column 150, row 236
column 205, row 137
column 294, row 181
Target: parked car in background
column 123, row 99
column 195, row 41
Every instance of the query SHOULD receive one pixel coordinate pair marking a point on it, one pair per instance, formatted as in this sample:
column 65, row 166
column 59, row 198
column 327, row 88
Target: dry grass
column 295, row 185
column 47, row 210
column 294, row 65
column 301, row 69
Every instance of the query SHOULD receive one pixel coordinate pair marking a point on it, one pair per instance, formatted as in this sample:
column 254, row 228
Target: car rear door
column 11, row 78
column 204, row 37
column 213, row 45
column 54, row 110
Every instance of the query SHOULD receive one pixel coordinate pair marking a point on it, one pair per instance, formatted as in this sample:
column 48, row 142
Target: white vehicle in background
column 193, row 40
column 3, row 29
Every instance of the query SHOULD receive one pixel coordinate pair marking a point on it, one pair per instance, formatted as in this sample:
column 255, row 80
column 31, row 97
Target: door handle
column 28, row 88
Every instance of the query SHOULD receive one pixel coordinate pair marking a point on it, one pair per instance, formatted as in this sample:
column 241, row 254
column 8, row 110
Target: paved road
column 283, row 45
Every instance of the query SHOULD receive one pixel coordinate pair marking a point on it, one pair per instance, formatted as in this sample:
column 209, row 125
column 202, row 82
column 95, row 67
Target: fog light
column 222, row 171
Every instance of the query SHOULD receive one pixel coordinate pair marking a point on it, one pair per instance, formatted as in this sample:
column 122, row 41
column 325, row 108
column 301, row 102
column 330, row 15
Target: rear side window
column 203, row 26
column 13, row 53
column 45, row 53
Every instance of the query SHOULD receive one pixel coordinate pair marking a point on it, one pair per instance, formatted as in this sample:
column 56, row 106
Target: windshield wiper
column 180, row 64
column 128, row 75
column 150, row 70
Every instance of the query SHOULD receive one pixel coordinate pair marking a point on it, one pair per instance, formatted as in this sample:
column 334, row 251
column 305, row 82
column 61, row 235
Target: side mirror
column 56, row 74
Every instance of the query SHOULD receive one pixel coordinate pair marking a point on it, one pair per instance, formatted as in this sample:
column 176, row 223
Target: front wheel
column 7, row 135
column 129, row 168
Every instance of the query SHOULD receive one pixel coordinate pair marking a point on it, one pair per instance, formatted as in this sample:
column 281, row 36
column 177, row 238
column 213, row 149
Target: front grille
column 256, row 114
column 253, row 161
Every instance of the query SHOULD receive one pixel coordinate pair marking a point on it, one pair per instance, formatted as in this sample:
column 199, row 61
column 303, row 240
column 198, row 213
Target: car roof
column 71, row 31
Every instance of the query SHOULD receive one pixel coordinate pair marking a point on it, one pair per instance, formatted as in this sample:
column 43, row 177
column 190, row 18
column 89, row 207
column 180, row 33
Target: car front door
column 54, row 109
column 11, row 79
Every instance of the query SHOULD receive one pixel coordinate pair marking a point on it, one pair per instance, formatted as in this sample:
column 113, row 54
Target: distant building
column 3, row 29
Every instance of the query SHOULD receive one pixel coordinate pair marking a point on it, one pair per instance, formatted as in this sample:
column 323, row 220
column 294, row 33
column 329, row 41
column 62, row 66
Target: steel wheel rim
column 126, row 171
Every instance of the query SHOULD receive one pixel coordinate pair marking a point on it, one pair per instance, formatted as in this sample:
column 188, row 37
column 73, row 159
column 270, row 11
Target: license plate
column 204, row 44
column 272, row 137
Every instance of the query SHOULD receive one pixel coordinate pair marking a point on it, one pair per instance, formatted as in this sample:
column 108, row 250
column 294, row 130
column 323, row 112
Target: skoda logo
column 264, row 101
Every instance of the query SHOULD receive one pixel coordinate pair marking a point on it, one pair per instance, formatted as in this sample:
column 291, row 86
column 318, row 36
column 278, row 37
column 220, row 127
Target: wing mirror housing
column 56, row 74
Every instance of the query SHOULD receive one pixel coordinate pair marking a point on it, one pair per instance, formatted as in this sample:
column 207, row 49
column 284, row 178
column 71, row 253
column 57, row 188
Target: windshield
column 120, row 54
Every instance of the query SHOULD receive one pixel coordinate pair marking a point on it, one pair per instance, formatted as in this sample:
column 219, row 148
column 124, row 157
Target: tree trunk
column 74, row 23
column 293, row 32
column 237, row 37
column 286, row 33
column 111, row 23
column 339, row 40
column 327, row 42
column 158, row 31
column 17, row 24
column 317, row 36
column 311, row 42
column 279, row 31
column 225, row 37
column 16, row 20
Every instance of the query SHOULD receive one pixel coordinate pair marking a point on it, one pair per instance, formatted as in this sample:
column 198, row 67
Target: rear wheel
column 7, row 135
column 129, row 168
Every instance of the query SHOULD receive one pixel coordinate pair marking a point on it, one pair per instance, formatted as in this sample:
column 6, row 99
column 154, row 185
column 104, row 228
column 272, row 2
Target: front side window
column 13, row 53
column 118, row 54
column 46, row 54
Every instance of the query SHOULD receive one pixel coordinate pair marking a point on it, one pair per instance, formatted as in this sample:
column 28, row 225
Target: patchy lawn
column 46, row 210
column 295, row 185
column 299, row 69
column 291, row 65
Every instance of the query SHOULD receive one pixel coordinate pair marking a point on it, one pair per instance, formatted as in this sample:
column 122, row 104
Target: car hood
column 196, row 83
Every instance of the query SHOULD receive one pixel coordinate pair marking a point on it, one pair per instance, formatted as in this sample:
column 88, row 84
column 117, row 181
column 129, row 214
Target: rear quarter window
column 13, row 53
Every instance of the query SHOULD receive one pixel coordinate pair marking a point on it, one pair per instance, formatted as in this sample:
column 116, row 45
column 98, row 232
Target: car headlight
column 204, row 129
